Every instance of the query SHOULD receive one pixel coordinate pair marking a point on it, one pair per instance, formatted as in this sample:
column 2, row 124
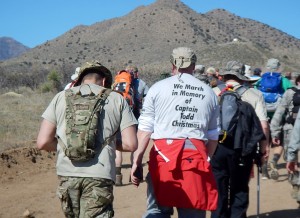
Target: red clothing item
column 182, row 177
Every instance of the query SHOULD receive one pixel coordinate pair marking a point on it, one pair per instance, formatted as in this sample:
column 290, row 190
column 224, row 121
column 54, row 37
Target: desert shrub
column 53, row 83
column 46, row 87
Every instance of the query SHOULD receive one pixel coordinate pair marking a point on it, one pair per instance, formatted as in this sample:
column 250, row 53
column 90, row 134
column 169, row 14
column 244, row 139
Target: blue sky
column 33, row 22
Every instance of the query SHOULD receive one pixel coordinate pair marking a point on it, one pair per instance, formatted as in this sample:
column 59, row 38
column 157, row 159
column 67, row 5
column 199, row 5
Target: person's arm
column 211, row 147
column 293, row 147
column 261, row 112
column 46, row 139
column 145, row 129
column 213, row 128
column 265, row 144
column 143, row 141
column 129, row 139
column 277, row 121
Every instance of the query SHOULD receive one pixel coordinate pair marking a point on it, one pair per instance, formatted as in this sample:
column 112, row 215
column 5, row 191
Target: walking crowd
column 208, row 127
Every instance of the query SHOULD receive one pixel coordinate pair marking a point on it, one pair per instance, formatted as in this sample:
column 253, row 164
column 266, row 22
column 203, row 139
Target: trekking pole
column 258, row 164
column 258, row 191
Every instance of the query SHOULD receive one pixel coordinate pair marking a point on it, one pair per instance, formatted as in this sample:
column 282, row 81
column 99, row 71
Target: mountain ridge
column 10, row 48
column 146, row 37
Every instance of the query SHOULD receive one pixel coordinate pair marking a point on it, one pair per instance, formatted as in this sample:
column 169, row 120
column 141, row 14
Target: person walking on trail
column 212, row 77
column 231, row 169
column 293, row 149
column 283, row 121
column 180, row 114
column 140, row 89
column 86, row 185
column 273, row 85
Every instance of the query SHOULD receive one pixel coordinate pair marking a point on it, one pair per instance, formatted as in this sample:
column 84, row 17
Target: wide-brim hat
column 254, row 78
column 97, row 67
column 235, row 68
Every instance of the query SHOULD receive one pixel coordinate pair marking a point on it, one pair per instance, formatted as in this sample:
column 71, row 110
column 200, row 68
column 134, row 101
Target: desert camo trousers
column 86, row 197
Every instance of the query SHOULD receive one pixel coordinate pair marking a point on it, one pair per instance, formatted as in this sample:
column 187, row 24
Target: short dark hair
column 297, row 80
column 230, row 77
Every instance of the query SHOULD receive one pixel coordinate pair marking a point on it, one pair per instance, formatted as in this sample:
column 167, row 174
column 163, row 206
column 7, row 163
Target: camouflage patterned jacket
column 294, row 145
column 278, row 122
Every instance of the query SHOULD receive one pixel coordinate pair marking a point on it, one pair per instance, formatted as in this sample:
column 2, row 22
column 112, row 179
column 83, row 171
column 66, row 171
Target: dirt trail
column 28, row 185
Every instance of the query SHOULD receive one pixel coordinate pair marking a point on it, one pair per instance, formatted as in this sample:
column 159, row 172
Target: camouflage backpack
column 82, row 112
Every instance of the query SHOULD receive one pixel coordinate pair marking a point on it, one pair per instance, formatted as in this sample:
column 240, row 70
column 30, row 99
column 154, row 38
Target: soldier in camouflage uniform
column 282, row 125
column 86, row 188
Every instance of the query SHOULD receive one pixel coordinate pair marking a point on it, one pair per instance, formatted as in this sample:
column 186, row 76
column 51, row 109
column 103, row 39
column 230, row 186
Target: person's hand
column 136, row 174
column 290, row 166
column 265, row 152
column 276, row 141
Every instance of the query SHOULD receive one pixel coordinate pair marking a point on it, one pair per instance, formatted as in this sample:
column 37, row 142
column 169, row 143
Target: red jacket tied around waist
column 182, row 177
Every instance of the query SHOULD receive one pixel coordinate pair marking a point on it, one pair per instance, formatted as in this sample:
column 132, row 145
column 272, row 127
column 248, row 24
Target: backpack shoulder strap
column 241, row 90
column 222, row 87
column 294, row 89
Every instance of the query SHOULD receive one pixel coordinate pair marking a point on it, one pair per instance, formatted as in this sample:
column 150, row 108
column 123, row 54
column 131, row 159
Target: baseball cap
column 131, row 69
column 211, row 70
column 257, row 71
column 273, row 64
column 183, row 57
column 97, row 67
column 235, row 68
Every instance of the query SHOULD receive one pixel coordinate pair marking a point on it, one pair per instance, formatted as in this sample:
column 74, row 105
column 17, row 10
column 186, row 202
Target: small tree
column 54, row 78
column 53, row 82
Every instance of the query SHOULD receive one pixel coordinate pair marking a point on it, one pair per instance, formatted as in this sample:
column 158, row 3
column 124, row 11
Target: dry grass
column 20, row 116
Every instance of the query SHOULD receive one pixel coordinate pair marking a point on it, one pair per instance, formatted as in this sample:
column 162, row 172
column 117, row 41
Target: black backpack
column 296, row 105
column 240, row 127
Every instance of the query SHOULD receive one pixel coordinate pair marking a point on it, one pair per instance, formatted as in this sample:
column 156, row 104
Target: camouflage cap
column 183, row 57
column 235, row 68
column 96, row 67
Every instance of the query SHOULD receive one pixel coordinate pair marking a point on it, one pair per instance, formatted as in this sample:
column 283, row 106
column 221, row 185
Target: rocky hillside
column 146, row 37
column 10, row 48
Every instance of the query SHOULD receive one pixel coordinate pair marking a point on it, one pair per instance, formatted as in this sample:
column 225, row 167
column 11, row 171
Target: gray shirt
column 282, row 111
column 294, row 145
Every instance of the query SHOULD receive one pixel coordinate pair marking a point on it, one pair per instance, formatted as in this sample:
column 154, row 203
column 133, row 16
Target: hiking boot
column 273, row 171
column 264, row 172
column 119, row 178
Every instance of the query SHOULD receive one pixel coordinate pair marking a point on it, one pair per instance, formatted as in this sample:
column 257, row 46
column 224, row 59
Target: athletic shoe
column 273, row 171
